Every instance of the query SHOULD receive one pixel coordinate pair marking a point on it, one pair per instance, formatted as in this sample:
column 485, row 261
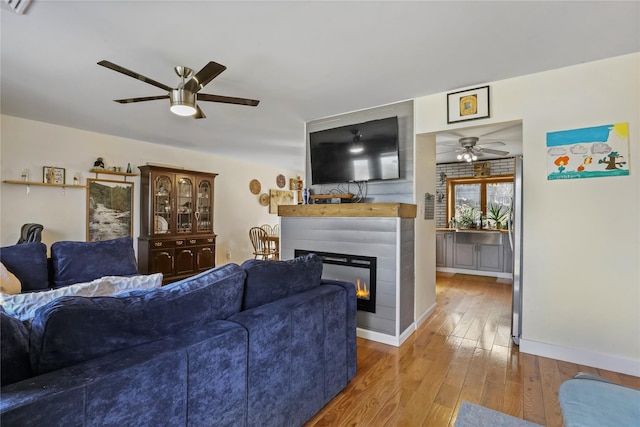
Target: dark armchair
column 30, row 233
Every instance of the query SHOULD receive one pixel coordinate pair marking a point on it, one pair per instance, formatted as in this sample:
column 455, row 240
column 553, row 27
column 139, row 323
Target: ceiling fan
column 470, row 150
column 183, row 98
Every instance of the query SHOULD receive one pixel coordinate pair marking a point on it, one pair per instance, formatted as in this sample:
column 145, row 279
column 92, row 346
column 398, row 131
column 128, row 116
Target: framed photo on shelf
column 109, row 209
column 470, row 104
column 53, row 175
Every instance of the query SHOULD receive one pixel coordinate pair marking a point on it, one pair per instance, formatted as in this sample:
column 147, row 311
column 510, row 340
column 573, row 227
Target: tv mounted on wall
column 360, row 152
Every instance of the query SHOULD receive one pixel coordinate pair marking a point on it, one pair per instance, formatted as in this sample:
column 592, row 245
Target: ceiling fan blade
column 144, row 98
column 496, row 152
column 227, row 99
column 204, row 76
column 133, row 74
column 447, row 151
column 491, row 143
column 199, row 114
column 455, row 143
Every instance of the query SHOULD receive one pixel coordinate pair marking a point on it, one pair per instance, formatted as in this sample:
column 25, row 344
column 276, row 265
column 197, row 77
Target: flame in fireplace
column 362, row 290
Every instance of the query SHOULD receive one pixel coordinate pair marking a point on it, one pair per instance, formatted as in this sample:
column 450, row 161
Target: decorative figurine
column 99, row 163
column 51, row 175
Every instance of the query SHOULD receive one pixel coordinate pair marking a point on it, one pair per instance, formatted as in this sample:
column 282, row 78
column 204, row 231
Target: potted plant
column 497, row 214
column 467, row 217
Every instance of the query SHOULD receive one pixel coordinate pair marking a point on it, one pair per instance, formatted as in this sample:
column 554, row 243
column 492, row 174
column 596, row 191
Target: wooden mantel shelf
column 378, row 210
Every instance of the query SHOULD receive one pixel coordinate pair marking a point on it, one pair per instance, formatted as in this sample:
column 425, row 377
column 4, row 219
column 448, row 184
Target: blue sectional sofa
column 267, row 343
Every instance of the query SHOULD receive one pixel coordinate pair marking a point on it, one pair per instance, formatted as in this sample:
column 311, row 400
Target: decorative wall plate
column 264, row 199
column 254, row 186
column 280, row 181
column 160, row 224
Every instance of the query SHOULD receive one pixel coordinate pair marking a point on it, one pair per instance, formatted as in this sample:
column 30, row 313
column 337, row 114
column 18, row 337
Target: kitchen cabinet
column 444, row 248
column 481, row 251
column 176, row 222
column 508, row 255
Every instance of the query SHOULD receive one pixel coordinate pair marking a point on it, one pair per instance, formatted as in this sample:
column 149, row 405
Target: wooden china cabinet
column 176, row 222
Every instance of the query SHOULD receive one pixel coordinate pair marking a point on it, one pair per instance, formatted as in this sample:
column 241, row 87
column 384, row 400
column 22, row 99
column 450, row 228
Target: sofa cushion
column 24, row 306
column 271, row 280
column 76, row 262
column 73, row 329
column 28, row 261
column 14, row 350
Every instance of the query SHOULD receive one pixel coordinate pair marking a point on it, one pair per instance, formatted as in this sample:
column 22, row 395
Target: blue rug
column 471, row 415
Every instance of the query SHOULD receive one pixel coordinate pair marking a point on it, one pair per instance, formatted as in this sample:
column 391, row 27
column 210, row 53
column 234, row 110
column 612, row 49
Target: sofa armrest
column 352, row 304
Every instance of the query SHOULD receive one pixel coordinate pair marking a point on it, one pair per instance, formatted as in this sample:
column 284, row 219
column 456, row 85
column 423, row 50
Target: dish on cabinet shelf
column 160, row 225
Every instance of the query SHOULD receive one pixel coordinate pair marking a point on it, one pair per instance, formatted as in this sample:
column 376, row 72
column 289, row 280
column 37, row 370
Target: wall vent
column 18, row 6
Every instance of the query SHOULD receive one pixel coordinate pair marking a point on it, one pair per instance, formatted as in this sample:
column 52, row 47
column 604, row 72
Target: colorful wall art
column 588, row 152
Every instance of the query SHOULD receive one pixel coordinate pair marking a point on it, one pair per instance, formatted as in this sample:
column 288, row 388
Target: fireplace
column 358, row 269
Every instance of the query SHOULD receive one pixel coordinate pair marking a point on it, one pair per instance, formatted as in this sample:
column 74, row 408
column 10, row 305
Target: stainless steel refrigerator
column 515, row 240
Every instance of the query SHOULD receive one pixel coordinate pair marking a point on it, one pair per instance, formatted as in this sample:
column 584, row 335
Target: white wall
column 425, row 239
column 29, row 144
column 581, row 237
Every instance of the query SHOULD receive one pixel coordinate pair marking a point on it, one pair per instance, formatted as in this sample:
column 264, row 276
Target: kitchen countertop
column 471, row 230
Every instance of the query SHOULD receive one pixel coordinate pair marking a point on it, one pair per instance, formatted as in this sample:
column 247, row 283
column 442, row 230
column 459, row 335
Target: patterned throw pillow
column 24, row 306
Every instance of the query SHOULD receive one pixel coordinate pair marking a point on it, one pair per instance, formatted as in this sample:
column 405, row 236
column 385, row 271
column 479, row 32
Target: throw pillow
column 271, row 280
column 9, row 283
column 76, row 262
column 14, row 357
column 28, row 261
column 24, row 306
column 70, row 330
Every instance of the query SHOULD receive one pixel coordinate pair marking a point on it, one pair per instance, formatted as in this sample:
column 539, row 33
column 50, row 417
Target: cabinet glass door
column 185, row 204
column 162, row 201
column 204, row 207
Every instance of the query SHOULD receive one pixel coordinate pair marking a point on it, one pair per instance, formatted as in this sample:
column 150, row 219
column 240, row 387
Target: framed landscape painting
column 109, row 209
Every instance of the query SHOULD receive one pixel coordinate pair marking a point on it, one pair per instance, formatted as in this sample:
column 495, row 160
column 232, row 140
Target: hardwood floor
column 463, row 352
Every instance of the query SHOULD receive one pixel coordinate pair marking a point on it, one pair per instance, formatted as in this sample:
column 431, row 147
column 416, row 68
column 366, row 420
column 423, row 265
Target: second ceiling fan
column 470, row 150
column 183, row 98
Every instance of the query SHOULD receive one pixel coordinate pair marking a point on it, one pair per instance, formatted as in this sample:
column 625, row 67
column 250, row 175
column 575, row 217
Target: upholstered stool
column 589, row 400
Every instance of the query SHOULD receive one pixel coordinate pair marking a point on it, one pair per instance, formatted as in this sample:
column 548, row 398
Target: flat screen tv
column 361, row 152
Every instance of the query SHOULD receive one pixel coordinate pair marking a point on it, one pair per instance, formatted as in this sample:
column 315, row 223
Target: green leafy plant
column 497, row 214
column 467, row 217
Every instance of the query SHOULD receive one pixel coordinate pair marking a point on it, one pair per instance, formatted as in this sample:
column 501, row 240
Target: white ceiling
column 302, row 60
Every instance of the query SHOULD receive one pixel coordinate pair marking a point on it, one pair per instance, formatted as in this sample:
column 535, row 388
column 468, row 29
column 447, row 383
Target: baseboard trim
column 377, row 336
column 475, row 272
column 382, row 338
column 423, row 318
column 582, row 357
column 407, row 333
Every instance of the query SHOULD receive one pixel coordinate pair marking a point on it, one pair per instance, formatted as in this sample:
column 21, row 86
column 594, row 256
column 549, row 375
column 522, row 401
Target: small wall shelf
column 98, row 171
column 43, row 184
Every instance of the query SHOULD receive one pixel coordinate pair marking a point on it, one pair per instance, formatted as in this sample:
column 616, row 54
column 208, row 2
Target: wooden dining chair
column 261, row 246
column 267, row 228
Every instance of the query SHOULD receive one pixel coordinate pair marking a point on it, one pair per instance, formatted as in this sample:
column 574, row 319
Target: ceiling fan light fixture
column 357, row 148
column 183, row 102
